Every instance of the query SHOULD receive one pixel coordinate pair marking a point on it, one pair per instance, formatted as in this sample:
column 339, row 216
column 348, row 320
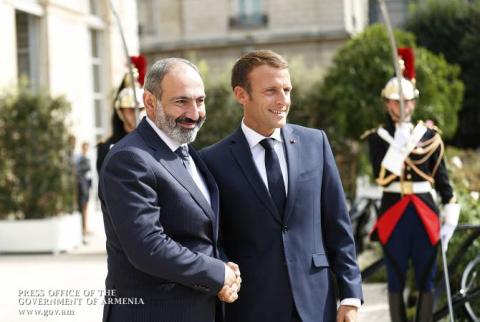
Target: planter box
column 51, row 235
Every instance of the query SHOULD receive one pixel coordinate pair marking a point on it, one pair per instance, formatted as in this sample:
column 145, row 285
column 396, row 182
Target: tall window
column 249, row 7
column 98, row 84
column 147, row 15
column 397, row 9
column 94, row 7
column 28, row 63
column 248, row 14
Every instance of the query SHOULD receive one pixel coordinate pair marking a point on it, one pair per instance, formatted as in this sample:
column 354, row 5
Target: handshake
column 231, row 284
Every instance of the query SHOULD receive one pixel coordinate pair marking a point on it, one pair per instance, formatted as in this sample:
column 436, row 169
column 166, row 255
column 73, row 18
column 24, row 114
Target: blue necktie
column 276, row 186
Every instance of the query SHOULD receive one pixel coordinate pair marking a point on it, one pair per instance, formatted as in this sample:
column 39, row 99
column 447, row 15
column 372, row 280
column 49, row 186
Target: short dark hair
column 253, row 59
column 154, row 78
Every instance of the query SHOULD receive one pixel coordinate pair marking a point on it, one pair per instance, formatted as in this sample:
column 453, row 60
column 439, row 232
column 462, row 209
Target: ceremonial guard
column 124, row 117
column 408, row 164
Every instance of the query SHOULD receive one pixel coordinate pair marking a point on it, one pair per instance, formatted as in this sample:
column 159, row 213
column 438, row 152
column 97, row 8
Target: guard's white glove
column 403, row 135
column 400, row 147
column 451, row 213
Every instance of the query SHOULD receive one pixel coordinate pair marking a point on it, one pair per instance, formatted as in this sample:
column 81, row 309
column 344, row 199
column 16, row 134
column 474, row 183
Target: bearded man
column 160, row 208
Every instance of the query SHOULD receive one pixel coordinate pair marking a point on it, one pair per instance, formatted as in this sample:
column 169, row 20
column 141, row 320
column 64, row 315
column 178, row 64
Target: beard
column 174, row 130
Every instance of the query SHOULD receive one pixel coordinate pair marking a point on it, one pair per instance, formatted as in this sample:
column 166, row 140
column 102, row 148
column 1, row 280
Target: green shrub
column 452, row 29
column 223, row 115
column 35, row 157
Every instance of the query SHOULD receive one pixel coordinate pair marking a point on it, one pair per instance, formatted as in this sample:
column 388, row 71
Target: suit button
column 284, row 229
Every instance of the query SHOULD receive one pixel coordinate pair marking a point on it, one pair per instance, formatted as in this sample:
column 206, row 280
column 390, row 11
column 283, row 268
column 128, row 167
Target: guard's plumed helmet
column 126, row 97
column 407, row 66
column 391, row 90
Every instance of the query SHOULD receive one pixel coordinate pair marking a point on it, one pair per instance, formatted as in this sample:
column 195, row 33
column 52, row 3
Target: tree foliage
column 440, row 26
column 223, row 115
column 452, row 28
column 36, row 177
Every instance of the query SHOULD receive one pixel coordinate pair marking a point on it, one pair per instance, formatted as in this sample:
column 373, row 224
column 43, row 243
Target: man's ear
column 150, row 102
column 241, row 95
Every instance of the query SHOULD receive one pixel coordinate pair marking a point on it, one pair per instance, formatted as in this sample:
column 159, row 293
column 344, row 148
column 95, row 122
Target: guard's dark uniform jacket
column 424, row 164
column 102, row 150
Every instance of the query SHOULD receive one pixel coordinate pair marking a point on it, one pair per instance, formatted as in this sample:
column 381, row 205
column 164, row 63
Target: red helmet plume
column 408, row 57
column 140, row 64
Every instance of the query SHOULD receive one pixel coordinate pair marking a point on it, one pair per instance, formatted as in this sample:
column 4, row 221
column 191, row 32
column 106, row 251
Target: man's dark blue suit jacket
column 161, row 233
column 285, row 263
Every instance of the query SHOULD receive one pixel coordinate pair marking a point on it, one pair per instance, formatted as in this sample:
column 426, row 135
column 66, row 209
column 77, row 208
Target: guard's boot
column 424, row 307
column 397, row 307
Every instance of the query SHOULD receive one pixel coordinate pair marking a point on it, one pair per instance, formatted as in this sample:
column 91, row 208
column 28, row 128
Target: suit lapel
column 174, row 165
column 292, row 151
column 242, row 154
column 178, row 171
column 212, row 189
column 209, row 180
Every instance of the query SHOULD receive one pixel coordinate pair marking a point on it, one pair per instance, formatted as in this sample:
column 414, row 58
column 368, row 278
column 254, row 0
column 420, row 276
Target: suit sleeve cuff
column 351, row 302
column 217, row 274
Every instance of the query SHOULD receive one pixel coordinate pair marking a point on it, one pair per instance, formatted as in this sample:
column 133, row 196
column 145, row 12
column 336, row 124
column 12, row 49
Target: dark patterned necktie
column 182, row 152
column 276, row 186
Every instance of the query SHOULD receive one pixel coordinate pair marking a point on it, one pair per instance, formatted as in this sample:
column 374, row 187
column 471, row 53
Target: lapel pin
column 292, row 141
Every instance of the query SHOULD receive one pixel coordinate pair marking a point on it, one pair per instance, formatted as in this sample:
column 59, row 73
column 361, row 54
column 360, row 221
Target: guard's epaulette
column 436, row 129
column 368, row 132
column 432, row 127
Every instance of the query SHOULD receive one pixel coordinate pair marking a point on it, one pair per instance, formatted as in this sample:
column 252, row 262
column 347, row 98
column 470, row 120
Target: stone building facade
column 70, row 48
column 219, row 31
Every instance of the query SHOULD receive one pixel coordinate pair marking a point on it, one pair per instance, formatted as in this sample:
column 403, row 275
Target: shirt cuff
column 352, row 302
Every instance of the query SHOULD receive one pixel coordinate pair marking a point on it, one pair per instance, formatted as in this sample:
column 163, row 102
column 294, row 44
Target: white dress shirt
column 258, row 154
column 192, row 168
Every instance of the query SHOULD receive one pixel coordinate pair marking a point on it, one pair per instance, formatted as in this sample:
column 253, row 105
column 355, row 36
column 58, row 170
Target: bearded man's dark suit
column 161, row 232
column 286, row 260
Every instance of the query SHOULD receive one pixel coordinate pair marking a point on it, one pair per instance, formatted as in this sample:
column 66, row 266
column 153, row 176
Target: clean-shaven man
column 283, row 212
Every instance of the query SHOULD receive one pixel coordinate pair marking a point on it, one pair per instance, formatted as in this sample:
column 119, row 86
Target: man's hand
column 236, row 270
column 231, row 284
column 450, row 214
column 347, row 313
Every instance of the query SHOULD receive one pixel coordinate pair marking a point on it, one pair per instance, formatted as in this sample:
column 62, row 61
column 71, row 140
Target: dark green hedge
column 452, row 29
column 36, row 178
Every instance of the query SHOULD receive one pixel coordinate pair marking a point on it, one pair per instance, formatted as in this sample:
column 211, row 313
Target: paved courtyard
column 76, row 281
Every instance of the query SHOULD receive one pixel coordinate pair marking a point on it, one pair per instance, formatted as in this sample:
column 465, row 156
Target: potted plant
column 37, row 183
